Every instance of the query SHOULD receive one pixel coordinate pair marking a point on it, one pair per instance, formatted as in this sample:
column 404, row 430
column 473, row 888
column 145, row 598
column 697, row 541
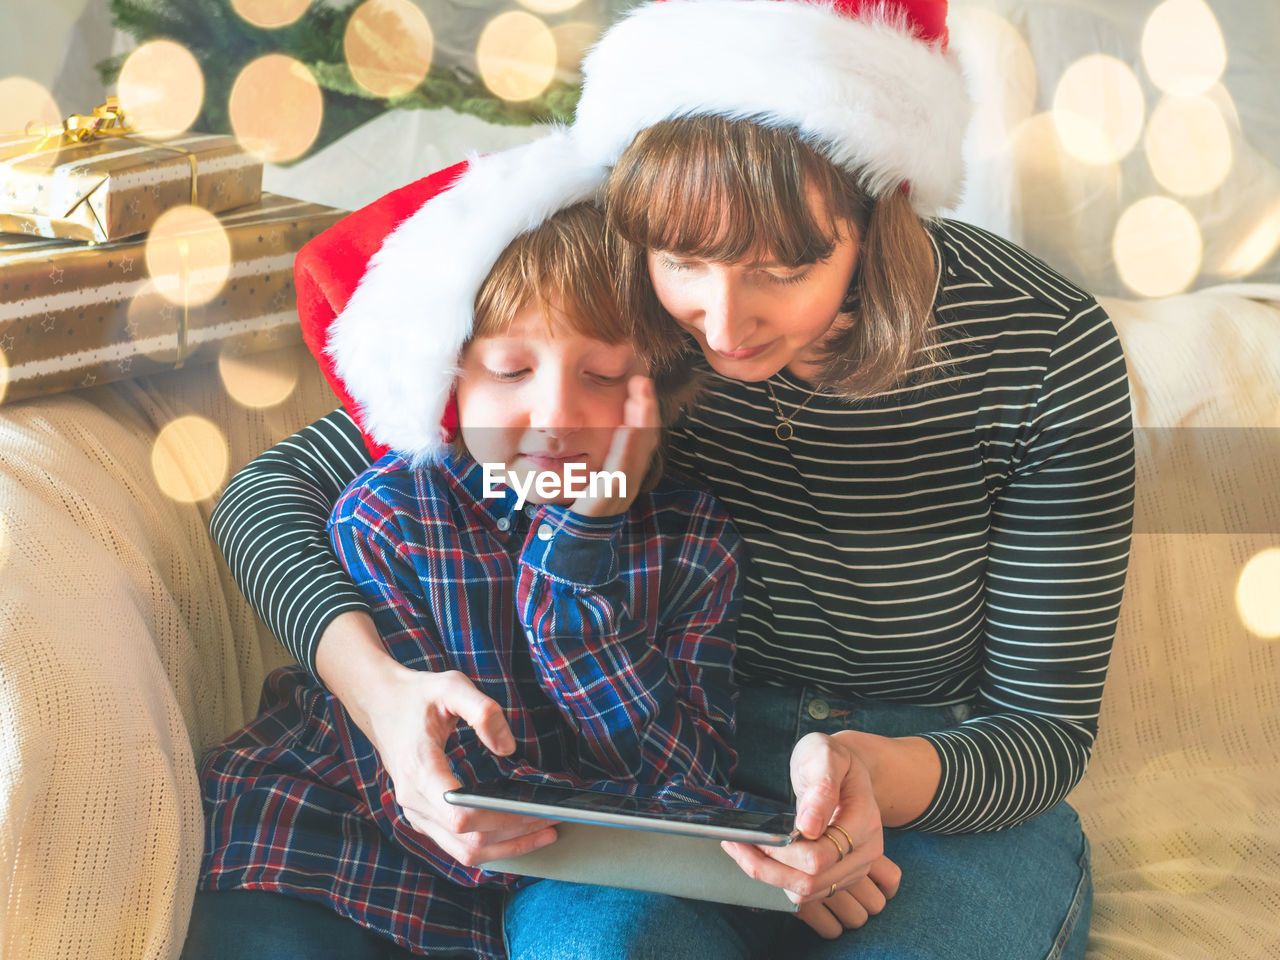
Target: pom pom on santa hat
column 868, row 82
column 388, row 329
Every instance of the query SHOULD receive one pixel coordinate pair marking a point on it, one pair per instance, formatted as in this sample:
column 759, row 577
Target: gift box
column 82, row 185
column 75, row 316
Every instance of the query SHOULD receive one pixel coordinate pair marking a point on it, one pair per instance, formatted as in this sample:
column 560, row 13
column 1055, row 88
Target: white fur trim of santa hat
column 864, row 89
column 396, row 343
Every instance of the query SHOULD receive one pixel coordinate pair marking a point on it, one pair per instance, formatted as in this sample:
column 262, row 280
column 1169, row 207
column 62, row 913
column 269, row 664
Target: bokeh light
column 1260, row 242
column 573, row 39
column 261, row 379
column 1182, row 47
column 516, row 55
column 545, row 7
column 161, row 87
column 1002, row 68
column 1188, row 145
column 1157, row 247
column 276, row 107
column 1067, row 209
column 1098, row 107
column 25, row 103
column 388, row 45
column 1188, row 841
column 188, row 255
column 1258, row 594
column 270, row 14
column 190, row 459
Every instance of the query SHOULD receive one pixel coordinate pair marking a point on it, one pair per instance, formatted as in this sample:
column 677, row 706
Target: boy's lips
column 553, row 461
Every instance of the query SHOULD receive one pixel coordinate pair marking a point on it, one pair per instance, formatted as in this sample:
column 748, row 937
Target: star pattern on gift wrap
column 6, row 343
column 89, row 380
column 132, row 325
column 30, row 227
column 280, row 302
column 126, row 265
column 48, row 323
column 125, row 364
column 56, row 274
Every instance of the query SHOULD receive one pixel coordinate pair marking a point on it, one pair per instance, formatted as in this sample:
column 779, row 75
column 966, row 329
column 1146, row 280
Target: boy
column 600, row 625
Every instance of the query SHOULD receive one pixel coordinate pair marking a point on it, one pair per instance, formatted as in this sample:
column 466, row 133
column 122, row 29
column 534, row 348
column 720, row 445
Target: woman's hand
column 408, row 715
column 836, row 870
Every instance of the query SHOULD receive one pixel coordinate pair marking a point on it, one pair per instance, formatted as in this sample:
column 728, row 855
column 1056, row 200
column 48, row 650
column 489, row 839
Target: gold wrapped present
column 74, row 316
column 96, row 179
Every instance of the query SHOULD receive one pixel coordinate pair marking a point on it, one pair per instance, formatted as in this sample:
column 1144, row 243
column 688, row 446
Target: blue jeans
column 1023, row 893
column 262, row 925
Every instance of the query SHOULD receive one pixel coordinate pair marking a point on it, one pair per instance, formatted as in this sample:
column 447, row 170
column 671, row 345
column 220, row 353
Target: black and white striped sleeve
column 1059, row 548
column 270, row 526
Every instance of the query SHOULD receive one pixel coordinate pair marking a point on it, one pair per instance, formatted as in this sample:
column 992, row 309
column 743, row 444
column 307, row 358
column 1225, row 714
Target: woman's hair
column 570, row 262
column 719, row 189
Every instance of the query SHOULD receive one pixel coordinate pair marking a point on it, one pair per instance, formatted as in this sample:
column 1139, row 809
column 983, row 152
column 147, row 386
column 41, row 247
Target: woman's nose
column 726, row 322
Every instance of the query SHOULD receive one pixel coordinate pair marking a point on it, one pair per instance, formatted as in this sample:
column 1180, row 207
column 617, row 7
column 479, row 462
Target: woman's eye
column 671, row 263
column 793, row 277
column 607, row 380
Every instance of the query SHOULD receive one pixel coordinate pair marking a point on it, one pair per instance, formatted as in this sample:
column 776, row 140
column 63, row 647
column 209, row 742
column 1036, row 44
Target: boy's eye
column 507, row 375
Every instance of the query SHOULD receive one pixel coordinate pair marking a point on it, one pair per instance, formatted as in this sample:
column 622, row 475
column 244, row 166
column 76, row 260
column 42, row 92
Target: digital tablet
column 555, row 802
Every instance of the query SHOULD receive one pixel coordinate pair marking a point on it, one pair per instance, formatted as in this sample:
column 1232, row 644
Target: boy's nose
column 557, row 408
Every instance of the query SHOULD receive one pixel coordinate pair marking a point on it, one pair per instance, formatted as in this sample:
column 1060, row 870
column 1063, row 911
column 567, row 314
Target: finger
column 483, row 714
column 847, row 909
column 641, row 409
column 472, row 849
column 800, row 887
column 817, row 773
column 821, row 920
column 886, row 875
column 871, row 898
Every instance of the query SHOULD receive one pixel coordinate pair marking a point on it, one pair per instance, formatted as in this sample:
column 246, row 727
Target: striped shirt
column 607, row 642
column 961, row 541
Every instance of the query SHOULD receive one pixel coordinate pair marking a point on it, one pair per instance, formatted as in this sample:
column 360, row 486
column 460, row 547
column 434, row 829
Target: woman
column 923, row 435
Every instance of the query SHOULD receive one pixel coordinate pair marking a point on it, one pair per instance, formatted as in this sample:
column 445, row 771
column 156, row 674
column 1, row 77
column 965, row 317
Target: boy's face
column 536, row 399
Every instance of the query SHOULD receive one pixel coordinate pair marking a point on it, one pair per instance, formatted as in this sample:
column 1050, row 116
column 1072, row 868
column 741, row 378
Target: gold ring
column 832, row 893
column 845, row 832
column 835, row 843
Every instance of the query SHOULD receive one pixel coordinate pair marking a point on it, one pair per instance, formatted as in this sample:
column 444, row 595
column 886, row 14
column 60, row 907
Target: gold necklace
column 784, row 430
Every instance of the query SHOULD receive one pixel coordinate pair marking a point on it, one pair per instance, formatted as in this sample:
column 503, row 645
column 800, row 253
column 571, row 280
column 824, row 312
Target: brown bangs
column 728, row 190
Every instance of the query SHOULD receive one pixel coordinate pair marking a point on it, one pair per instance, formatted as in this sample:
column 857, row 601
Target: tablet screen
column 596, row 802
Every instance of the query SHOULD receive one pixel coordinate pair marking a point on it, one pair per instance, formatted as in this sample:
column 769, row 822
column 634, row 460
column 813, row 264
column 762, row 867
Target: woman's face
column 756, row 316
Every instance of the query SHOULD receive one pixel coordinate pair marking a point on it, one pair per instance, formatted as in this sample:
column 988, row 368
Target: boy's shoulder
column 392, row 486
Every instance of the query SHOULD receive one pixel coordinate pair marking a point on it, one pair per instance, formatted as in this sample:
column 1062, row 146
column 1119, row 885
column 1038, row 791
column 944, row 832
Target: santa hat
column 386, row 297
column 868, row 82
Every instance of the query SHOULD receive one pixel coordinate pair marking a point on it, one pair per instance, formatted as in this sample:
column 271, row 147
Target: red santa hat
column 869, row 82
column 386, row 297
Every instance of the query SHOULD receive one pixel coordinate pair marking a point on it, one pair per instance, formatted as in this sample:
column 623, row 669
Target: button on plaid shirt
column 608, row 642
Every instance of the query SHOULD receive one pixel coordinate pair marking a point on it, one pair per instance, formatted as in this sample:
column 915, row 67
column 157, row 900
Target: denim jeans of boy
column 1023, row 893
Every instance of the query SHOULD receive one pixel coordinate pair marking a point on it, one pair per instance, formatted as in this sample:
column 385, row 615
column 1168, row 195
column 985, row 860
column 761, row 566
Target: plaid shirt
column 607, row 642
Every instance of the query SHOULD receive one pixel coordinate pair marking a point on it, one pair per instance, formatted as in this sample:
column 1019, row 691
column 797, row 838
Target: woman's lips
column 746, row 353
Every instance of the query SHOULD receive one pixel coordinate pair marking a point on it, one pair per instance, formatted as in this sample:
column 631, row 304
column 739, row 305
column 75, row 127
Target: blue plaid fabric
column 607, row 642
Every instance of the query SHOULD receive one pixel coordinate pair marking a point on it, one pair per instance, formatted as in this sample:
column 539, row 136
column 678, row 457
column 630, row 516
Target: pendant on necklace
column 783, row 431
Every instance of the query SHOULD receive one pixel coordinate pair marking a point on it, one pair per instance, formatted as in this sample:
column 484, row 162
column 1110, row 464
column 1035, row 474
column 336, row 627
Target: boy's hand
column 632, row 450
column 410, row 728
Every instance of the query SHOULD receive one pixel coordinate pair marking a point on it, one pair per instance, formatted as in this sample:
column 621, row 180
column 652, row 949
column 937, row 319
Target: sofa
column 126, row 649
